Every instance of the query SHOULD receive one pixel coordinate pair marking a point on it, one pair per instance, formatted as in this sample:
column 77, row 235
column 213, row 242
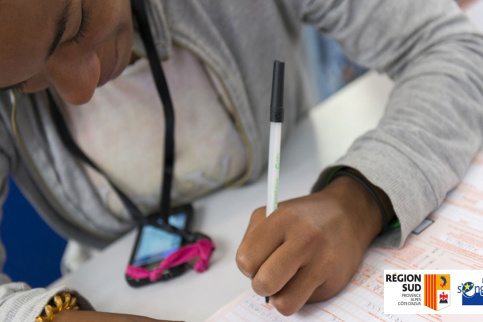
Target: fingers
column 297, row 291
column 306, row 251
column 339, row 278
column 276, row 253
column 278, row 268
column 262, row 238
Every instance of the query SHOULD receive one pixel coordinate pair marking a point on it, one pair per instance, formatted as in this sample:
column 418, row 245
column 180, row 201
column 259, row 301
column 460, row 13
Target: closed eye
column 82, row 28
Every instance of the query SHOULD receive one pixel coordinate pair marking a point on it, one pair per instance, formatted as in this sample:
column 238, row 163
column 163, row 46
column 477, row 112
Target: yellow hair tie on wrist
column 64, row 301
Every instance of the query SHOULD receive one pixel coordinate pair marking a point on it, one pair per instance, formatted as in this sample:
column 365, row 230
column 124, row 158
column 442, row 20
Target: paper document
column 450, row 238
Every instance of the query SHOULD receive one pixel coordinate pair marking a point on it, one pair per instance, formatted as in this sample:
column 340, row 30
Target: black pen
column 276, row 120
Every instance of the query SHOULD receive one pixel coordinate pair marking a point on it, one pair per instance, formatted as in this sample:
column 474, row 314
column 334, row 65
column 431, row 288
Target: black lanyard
column 139, row 10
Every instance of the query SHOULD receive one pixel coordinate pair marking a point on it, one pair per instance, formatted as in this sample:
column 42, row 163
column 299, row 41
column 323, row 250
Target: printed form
column 450, row 238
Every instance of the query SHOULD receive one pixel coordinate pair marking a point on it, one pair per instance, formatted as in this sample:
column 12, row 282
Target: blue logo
column 471, row 294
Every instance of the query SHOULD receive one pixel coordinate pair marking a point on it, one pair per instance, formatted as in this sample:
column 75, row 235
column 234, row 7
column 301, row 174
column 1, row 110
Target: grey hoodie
column 431, row 130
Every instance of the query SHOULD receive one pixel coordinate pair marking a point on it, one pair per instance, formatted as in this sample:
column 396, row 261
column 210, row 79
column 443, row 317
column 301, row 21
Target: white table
column 320, row 139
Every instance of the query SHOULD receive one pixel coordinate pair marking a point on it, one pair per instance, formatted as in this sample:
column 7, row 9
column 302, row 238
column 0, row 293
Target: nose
column 75, row 79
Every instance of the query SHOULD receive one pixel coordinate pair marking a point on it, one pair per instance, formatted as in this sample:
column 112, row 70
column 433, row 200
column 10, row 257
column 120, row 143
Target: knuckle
column 264, row 283
column 245, row 263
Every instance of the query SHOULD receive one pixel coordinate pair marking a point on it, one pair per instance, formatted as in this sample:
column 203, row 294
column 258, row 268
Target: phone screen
column 155, row 244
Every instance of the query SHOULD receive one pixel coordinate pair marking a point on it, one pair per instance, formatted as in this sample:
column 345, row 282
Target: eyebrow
column 61, row 23
column 60, row 28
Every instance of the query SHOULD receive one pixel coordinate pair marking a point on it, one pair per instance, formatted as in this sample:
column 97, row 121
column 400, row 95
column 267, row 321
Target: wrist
column 359, row 205
column 381, row 198
column 65, row 315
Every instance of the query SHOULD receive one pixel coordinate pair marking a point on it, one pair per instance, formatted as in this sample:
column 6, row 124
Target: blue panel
column 33, row 249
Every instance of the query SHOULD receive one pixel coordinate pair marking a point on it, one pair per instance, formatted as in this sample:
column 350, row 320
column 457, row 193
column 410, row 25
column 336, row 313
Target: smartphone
column 153, row 244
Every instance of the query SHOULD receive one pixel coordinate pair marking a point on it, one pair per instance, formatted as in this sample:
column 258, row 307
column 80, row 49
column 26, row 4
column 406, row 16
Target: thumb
column 258, row 216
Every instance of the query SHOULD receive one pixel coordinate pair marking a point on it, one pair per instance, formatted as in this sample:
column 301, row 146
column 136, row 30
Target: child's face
column 94, row 39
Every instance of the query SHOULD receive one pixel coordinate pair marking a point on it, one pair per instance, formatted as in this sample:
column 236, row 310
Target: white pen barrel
column 273, row 166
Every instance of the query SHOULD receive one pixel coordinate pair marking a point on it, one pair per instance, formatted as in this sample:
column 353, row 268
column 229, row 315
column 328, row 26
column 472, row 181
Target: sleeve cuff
column 24, row 304
column 400, row 178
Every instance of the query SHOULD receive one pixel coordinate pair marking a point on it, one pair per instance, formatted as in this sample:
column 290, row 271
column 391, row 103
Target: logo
column 437, row 291
column 471, row 294
column 426, row 291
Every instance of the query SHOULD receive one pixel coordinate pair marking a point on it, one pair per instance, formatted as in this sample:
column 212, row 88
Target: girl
column 217, row 59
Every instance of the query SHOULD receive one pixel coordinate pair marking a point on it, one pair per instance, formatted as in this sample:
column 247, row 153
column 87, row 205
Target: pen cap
column 276, row 106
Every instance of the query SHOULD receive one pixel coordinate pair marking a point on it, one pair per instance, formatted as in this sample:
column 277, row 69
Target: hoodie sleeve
column 18, row 302
column 433, row 123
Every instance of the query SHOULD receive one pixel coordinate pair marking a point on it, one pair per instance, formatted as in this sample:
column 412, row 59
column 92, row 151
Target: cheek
column 123, row 34
column 20, row 62
column 125, row 48
column 36, row 84
column 109, row 17
column 110, row 28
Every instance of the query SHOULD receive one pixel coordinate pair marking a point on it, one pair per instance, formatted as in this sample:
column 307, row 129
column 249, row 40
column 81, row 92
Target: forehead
column 26, row 30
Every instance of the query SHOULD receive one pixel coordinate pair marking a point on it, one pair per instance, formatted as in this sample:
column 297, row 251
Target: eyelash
column 18, row 88
column 82, row 29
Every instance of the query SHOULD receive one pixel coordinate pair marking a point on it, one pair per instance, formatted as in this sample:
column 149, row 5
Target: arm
column 433, row 125
column 18, row 302
column 431, row 130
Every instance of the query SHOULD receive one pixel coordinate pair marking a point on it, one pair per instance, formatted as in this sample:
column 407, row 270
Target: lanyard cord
column 139, row 10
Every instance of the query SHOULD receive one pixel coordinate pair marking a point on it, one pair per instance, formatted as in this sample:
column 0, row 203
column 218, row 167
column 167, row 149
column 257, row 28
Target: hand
column 310, row 247
column 92, row 316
